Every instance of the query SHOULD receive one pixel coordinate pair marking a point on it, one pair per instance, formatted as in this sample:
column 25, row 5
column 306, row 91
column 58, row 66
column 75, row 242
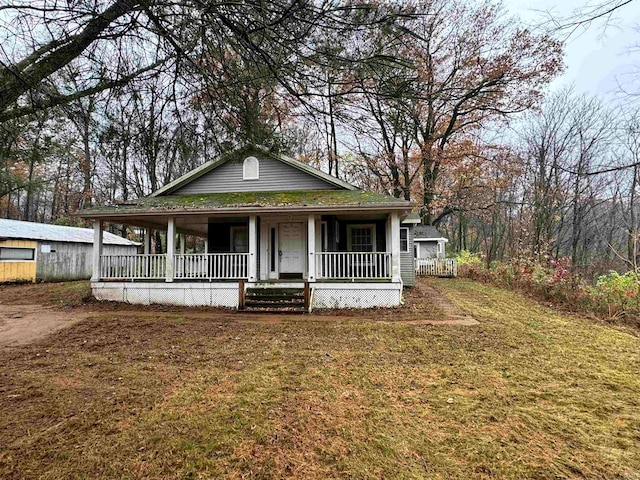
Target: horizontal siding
column 407, row 265
column 274, row 176
column 428, row 249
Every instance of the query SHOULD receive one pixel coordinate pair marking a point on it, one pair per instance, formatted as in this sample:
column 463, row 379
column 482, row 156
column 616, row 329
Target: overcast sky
column 596, row 60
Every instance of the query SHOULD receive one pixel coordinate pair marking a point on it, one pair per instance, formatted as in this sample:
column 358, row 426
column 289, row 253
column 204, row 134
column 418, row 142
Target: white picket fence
column 436, row 267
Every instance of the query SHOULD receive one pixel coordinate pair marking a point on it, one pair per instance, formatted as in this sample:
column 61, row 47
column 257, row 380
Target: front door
column 291, row 252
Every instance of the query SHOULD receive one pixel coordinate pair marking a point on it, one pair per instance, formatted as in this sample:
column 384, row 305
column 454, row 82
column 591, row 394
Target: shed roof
column 426, row 231
column 55, row 233
column 252, row 202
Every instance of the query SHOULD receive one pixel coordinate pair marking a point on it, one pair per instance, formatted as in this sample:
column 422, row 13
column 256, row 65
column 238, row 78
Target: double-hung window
column 404, row 239
column 361, row 238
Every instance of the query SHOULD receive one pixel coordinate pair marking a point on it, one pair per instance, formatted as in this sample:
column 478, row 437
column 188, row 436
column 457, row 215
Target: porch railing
column 352, row 265
column 153, row 266
column 210, row 266
column 436, row 267
column 198, row 266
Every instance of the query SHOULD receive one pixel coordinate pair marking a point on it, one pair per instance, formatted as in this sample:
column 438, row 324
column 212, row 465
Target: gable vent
column 251, row 169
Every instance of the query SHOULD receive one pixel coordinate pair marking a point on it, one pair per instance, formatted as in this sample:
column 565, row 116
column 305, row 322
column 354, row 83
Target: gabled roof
column 17, row 229
column 428, row 232
column 259, row 202
column 413, row 217
column 217, row 162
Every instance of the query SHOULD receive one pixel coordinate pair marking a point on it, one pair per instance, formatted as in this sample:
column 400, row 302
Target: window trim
column 370, row 226
column 406, row 250
column 245, row 176
column 8, row 260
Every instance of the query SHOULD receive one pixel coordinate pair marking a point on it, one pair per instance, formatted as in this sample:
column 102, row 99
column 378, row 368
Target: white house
column 277, row 233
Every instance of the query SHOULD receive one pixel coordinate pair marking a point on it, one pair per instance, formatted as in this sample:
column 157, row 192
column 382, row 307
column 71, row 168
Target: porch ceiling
column 157, row 209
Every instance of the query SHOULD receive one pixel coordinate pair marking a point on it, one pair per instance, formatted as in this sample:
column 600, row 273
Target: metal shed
column 39, row 252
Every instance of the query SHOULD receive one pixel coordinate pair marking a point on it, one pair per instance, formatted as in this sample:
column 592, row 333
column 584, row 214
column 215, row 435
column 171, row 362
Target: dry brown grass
column 529, row 393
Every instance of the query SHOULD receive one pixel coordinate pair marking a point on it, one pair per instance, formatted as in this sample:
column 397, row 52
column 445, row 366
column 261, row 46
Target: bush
column 611, row 297
column 619, row 293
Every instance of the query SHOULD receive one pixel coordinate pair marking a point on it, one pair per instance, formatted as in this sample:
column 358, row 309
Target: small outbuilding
column 39, row 252
column 428, row 242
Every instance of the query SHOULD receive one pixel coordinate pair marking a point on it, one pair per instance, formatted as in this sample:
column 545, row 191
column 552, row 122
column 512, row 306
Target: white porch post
column 171, row 248
column 182, row 243
column 395, row 246
column 97, row 250
column 253, row 248
column 311, row 248
column 147, row 241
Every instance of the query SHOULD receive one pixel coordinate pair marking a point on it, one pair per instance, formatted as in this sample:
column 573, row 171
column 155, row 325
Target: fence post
column 241, row 295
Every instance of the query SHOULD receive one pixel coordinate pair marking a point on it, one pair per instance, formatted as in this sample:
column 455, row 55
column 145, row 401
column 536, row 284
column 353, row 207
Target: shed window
column 251, row 169
column 17, row 254
column 404, row 240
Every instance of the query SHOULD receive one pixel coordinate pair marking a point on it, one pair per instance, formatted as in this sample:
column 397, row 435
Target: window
column 440, row 249
column 404, row 240
column 273, row 249
column 239, row 239
column 17, row 254
column 251, row 169
column 361, row 238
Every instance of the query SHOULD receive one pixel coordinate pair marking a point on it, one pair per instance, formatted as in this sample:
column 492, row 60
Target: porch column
column 394, row 234
column 253, row 248
column 147, row 241
column 311, row 248
column 171, row 247
column 182, row 243
column 97, row 250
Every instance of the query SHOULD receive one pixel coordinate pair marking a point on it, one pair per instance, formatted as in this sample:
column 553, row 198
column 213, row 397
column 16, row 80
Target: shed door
column 292, row 248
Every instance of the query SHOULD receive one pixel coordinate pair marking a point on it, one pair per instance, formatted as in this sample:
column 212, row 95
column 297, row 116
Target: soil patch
column 22, row 324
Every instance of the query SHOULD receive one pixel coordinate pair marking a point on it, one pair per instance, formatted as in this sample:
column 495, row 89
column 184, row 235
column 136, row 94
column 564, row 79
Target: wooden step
column 274, row 300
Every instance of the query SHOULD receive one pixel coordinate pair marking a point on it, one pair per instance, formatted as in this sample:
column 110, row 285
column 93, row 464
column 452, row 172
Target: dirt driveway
column 31, row 312
column 21, row 324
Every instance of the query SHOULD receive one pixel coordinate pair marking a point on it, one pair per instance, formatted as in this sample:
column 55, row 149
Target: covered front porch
column 345, row 259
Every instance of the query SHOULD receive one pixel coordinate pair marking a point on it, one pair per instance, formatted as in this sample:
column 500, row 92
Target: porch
column 347, row 260
column 256, row 248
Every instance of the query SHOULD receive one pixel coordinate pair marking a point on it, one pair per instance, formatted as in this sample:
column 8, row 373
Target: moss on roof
column 240, row 200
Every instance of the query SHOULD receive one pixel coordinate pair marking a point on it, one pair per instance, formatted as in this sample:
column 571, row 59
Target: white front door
column 291, row 246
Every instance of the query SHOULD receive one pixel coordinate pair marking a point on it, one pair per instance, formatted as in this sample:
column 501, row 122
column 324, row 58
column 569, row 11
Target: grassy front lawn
column 528, row 393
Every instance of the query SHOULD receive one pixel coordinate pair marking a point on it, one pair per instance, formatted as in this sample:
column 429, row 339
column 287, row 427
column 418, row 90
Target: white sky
column 596, row 60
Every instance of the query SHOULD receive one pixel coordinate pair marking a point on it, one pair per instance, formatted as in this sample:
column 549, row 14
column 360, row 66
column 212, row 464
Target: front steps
column 275, row 298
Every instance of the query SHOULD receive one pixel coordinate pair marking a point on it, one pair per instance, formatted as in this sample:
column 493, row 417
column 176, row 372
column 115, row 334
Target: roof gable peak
column 248, row 148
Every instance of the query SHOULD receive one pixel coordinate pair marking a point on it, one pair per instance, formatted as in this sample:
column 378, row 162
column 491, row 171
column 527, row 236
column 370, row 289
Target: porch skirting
column 220, row 294
column 225, row 294
column 356, row 295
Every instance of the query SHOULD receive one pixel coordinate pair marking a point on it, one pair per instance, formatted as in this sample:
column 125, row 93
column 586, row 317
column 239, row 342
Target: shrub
column 620, row 294
column 612, row 296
